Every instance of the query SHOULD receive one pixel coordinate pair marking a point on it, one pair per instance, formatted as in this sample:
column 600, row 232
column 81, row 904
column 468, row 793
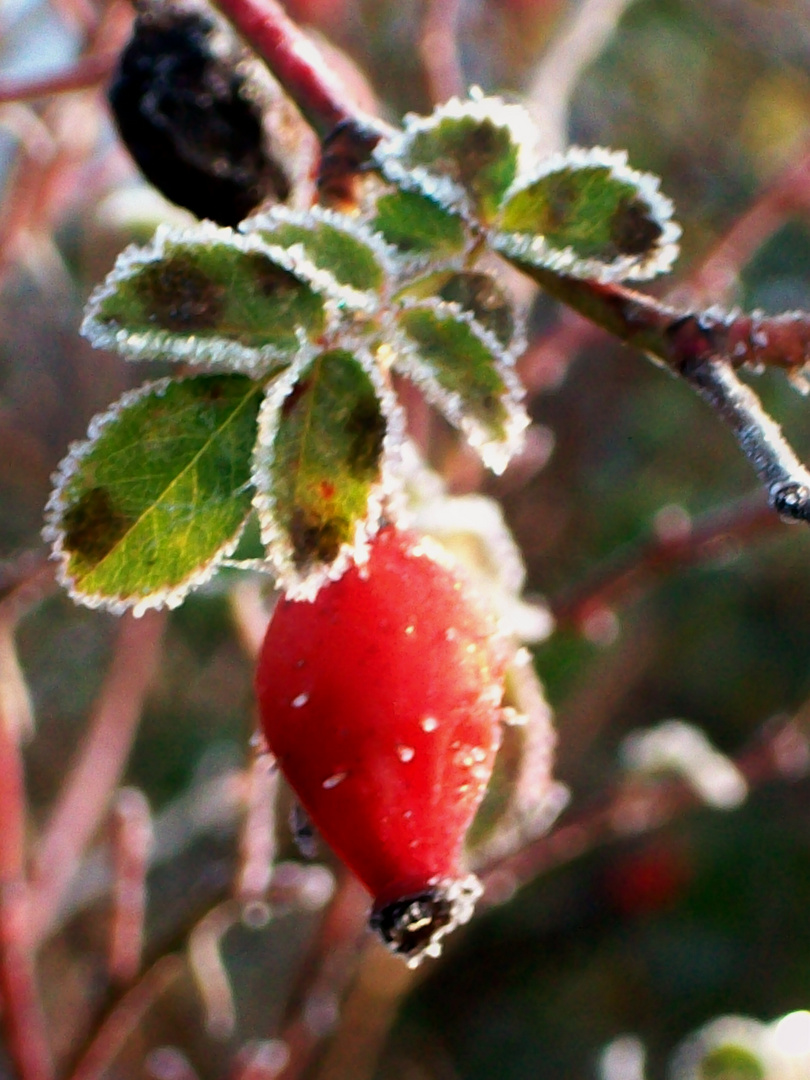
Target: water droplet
column 298, row 702
column 409, row 629
column 428, row 723
column 408, row 815
column 471, row 647
column 512, row 718
column 405, row 753
column 479, row 753
column 462, row 788
column 451, row 633
column 334, row 780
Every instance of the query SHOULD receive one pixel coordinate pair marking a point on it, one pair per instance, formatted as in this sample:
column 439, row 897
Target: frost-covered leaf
column 145, row 508
column 418, row 225
column 335, row 244
column 207, row 295
column 473, row 291
column 587, row 214
column 326, row 432
column 466, row 155
column 467, row 374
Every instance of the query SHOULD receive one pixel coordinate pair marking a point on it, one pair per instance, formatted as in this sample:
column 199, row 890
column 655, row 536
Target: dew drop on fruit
column 334, row 780
column 405, row 753
column 409, row 629
column 512, row 718
column 300, row 701
column 451, row 633
column 428, row 723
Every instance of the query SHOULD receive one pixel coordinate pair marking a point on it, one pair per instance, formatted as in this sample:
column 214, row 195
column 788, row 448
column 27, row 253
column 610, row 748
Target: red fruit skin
column 380, row 701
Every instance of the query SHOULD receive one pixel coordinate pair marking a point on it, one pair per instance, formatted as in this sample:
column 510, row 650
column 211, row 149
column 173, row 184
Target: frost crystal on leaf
column 587, row 214
column 467, row 374
column 208, row 295
column 355, row 262
column 148, row 506
column 464, row 156
column 329, row 436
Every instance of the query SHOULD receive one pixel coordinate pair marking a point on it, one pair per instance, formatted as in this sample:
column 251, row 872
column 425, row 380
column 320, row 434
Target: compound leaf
column 588, row 215
column 466, row 155
column 145, row 508
column 333, row 242
column 467, row 374
column 320, row 466
column 207, row 295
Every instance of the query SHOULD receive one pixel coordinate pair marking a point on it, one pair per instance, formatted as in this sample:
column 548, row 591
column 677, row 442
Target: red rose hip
column 380, row 700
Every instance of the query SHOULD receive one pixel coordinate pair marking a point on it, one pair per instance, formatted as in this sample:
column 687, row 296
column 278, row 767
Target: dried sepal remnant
column 586, row 213
column 465, row 156
column 357, row 259
column 207, row 295
column 467, row 374
column 202, row 117
column 146, row 507
column 328, row 433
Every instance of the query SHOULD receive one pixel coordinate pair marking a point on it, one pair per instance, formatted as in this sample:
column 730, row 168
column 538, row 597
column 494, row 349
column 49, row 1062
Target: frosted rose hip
column 380, row 700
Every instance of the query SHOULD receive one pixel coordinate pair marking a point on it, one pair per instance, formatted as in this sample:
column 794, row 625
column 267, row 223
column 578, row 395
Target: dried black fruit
column 186, row 112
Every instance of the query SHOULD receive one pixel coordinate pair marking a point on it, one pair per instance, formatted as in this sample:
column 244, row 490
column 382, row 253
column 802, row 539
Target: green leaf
column 587, row 214
column 319, row 470
column 334, row 242
column 417, row 225
column 145, row 508
column 467, row 375
column 207, row 295
column 474, row 292
column 466, row 155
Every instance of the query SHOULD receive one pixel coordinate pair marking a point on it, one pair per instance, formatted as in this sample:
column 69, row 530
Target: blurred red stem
column 93, row 778
column 706, row 539
column 648, row 805
column 125, row 1018
column 294, row 61
column 87, row 72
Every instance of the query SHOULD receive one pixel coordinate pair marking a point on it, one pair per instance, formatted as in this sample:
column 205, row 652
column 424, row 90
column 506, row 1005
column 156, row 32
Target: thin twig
column 314, row 1009
column 297, row 64
column 622, row 576
column 84, row 799
column 258, row 840
column 640, row 806
column 89, row 71
column 583, row 35
column 23, row 1019
column 131, row 842
column 125, row 1018
column 703, row 349
column 438, row 48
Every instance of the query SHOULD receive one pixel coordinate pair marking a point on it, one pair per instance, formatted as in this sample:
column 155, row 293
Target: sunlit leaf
column 587, row 214
column 335, row 243
column 145, row 508
column 467, row 374
column 320, row 467
column 418, row 225
column 207, row 295
column 465, row 156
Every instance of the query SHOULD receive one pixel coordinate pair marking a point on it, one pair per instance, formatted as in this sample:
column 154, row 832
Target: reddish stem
column 92, row 780
column 87, row 72
column 294, row 61
column 706, row 539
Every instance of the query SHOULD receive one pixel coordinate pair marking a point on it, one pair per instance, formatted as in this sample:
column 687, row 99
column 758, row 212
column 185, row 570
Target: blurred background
column 638, row 520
